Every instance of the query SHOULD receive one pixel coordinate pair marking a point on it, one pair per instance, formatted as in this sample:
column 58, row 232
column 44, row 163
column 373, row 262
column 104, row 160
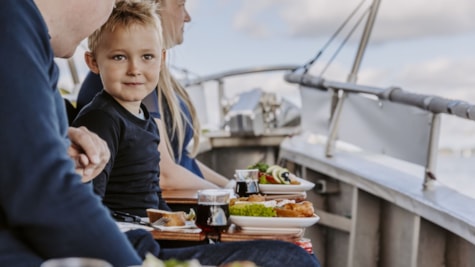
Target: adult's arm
column 43, row 202
column 174, row 176
column 214, row 177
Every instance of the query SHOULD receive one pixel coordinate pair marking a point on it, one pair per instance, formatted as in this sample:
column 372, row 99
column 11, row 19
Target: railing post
column 432, row 150
column 221, row 100
column 74, row 74
column 335, row 120
column 335, row 116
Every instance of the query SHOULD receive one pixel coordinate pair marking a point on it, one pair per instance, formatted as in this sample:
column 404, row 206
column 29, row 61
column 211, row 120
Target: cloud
column 396, row 20
column 440, row 74
column 249, row 18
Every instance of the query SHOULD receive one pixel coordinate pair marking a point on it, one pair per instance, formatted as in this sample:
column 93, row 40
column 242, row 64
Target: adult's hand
column 89, row 152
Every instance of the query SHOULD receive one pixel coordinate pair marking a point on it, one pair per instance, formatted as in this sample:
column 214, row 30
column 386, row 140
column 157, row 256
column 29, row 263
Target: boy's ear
column 91, row 62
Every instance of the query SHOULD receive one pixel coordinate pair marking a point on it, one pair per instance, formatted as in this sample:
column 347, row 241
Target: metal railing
column 434, row 104
column 238, row 72
column 219, row 78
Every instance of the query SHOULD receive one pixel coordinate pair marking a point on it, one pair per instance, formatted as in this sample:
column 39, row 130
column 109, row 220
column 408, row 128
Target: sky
column 422, row 46
column 417, row 44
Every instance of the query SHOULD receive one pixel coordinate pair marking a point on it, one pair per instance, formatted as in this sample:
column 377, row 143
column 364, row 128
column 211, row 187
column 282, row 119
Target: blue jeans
column 265, row 253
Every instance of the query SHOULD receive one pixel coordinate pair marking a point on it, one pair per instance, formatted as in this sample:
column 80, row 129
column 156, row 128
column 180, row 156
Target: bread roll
column 175, row 218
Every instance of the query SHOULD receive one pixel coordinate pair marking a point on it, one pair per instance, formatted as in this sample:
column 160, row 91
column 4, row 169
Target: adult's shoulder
column 91, row 85
column 151, row 102
column 101, row 111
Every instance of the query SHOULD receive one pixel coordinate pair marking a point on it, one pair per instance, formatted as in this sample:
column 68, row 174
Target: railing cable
column 307, row 65
column 345, row 41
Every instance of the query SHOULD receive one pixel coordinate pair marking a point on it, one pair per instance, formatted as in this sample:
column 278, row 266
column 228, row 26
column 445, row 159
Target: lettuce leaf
column 258, row 210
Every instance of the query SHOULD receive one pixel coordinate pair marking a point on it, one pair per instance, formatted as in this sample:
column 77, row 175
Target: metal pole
column 335, row 116
column 364, row 41
column 74, row 74
column 221, row 101
column 429, row 176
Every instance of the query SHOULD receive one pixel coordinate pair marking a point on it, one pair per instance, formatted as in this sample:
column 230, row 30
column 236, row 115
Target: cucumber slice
column 272, row 168
column 275, row 174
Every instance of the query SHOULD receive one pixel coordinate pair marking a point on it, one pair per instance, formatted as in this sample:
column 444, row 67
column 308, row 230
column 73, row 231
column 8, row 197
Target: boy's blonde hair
column 127, row 13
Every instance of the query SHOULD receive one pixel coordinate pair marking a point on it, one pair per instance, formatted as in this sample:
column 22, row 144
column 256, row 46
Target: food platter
column 274, row 222
column 286, row 188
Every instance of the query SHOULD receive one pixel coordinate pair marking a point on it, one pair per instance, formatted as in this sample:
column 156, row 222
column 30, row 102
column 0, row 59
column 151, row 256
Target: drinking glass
column 212, row 215
column 247, row 182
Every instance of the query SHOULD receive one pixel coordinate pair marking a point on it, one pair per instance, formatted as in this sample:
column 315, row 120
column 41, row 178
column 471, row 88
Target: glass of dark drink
column 212, row 215
column 247, row 182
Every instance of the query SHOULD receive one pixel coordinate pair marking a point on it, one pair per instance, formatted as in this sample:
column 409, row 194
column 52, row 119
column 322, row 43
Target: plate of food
column 274, row 179
column 172, row 220
column 302, row 186
column 274, row 222
column 253, row 212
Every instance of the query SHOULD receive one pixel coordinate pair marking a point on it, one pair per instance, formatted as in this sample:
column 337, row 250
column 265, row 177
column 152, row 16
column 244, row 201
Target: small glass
column 212, row 215
column 247, row 182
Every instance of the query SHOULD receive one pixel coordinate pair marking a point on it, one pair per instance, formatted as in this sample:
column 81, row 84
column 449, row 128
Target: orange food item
column 301, row 209
column 176, row 218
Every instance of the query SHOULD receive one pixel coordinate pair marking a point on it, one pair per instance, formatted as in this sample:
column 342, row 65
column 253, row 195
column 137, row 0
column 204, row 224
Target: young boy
column 127, row 53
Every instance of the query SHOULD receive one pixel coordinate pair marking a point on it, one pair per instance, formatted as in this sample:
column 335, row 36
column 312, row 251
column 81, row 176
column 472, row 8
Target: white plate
column 274, row 222
column 261, row 230
column 188, row 225
column 286, row 188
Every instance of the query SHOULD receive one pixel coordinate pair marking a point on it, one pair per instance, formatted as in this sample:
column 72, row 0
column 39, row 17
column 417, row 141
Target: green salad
column 252, row 210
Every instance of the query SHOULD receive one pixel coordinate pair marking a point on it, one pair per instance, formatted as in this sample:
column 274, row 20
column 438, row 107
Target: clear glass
column 212, row 215
column 247, row 182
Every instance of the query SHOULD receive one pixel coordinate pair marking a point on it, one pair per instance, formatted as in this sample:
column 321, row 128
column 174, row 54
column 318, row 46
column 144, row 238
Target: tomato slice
column 269, row 178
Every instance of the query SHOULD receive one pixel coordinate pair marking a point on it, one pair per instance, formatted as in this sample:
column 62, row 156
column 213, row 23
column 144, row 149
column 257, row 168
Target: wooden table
column 183, row 199
column 188, row 197
column 231, row 235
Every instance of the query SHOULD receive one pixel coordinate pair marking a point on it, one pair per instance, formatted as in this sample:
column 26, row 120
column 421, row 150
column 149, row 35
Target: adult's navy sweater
column 45, row 210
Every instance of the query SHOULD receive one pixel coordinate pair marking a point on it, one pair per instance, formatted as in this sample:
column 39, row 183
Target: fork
column 161, row 222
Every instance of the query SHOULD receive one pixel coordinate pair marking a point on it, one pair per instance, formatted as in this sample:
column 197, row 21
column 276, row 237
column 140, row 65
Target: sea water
column 457, row 172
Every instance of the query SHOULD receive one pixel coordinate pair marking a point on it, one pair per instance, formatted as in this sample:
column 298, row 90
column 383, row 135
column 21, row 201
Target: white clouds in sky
column 396, row 19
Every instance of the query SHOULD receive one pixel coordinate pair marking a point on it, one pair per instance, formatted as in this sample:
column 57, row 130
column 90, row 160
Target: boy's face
column 129, row 60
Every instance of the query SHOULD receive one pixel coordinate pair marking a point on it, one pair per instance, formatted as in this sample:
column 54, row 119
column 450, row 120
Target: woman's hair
column 170, row 91
column 127, row 13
